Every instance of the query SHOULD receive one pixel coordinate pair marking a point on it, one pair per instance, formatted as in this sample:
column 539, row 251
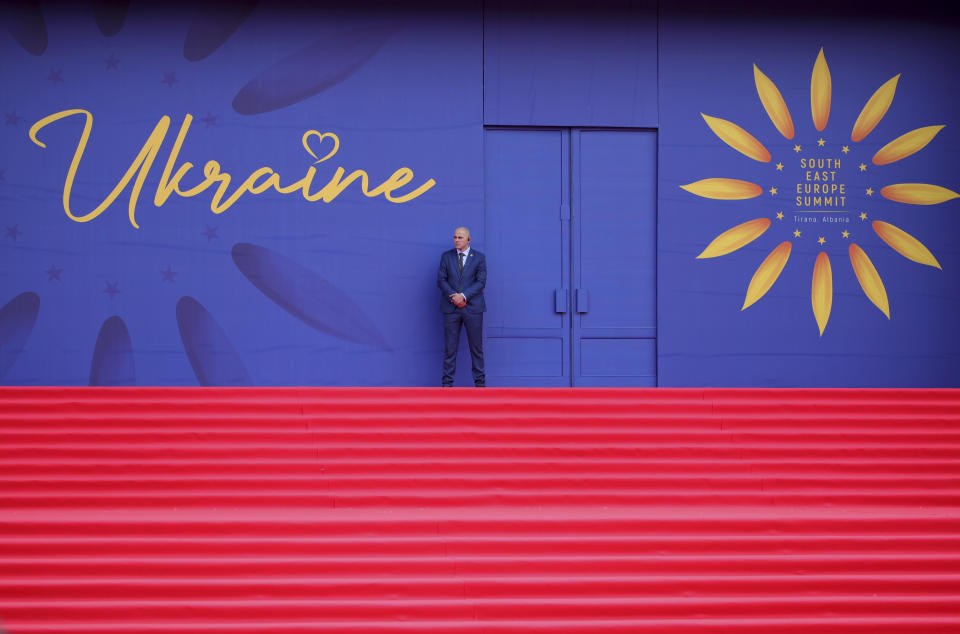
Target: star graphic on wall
column 821, row 240
column 169, row 79
column 863, row 215
column 53, row 273
column 210, row 233
column 863, row 167
column 13, row 118
column 112, row 289
column 846, row 148
column 869, row 191
column 773, row 191
column 779, row 167
column 55, row 76
column 845, row 234
column 13, row 233
column 169, row 275
column 796, row 148
column 210, row 120
column 796, row 233
column 779, row 215
column 821, row 142
column 112, row 62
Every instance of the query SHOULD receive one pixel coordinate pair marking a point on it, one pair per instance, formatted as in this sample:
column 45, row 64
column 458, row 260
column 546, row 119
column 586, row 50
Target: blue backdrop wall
column 259, row 194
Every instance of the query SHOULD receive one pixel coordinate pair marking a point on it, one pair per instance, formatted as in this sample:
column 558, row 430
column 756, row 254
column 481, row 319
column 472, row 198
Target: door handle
column 582, row 300
column 560, row 300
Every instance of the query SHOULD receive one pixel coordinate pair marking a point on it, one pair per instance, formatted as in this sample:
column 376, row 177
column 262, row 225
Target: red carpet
column 418, row 510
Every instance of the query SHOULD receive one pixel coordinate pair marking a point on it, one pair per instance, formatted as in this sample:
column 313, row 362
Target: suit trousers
column 473, row 322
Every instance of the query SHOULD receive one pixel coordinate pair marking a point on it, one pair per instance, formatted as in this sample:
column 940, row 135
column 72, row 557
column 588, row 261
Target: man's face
column 460, row 239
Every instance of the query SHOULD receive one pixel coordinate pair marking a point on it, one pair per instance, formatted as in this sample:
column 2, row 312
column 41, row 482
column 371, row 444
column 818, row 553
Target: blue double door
column 571, row 243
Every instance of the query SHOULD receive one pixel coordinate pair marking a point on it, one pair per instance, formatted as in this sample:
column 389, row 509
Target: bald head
column 461, row 238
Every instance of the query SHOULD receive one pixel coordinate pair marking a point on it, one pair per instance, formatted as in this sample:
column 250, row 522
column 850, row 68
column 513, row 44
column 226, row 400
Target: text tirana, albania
column 259, row 181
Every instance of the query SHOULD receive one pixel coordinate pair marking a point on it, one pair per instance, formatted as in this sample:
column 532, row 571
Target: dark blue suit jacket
column 470, row 283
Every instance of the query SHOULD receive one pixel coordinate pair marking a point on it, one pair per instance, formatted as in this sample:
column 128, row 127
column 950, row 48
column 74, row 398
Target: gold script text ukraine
column 259, row 181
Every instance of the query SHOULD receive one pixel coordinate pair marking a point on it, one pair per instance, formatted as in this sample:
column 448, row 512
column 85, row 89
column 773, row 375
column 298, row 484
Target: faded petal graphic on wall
column 110, row 15
column 305, row 295
column 213, row 25
column 16, row 323
column 26, row 24
column 311, row 70
column 213, row 358
column 112, row 362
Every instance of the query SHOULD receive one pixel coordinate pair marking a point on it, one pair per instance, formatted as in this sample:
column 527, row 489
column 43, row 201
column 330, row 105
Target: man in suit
column 461, row 278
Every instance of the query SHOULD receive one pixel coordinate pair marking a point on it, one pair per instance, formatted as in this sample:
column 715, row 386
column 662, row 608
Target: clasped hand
column 458, row 300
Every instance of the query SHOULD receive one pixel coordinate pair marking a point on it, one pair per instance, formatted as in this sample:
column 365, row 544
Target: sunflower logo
column 822, row 195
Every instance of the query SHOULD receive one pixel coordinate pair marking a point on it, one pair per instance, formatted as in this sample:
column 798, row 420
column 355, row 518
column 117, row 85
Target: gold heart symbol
column 321, row 136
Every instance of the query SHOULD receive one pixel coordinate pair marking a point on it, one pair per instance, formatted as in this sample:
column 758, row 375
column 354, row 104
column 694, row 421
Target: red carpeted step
column 361, row 510
column 800, row 625
column 423, row 587
column 53, row 545
column 783, row 607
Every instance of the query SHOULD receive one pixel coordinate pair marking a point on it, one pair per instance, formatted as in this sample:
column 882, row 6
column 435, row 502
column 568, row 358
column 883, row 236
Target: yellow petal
column 918, row 193
column 773, row 103
column 821, row 292
column 905, row 244
column 732, row 239
column 820, row 92
column 869, row 279
column 903, row 146
column 767, row 273
column 737, row 138
column 724, row 189
column 874, row 110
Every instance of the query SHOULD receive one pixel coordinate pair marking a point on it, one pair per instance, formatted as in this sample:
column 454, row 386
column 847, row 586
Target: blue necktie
column 461, row 262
